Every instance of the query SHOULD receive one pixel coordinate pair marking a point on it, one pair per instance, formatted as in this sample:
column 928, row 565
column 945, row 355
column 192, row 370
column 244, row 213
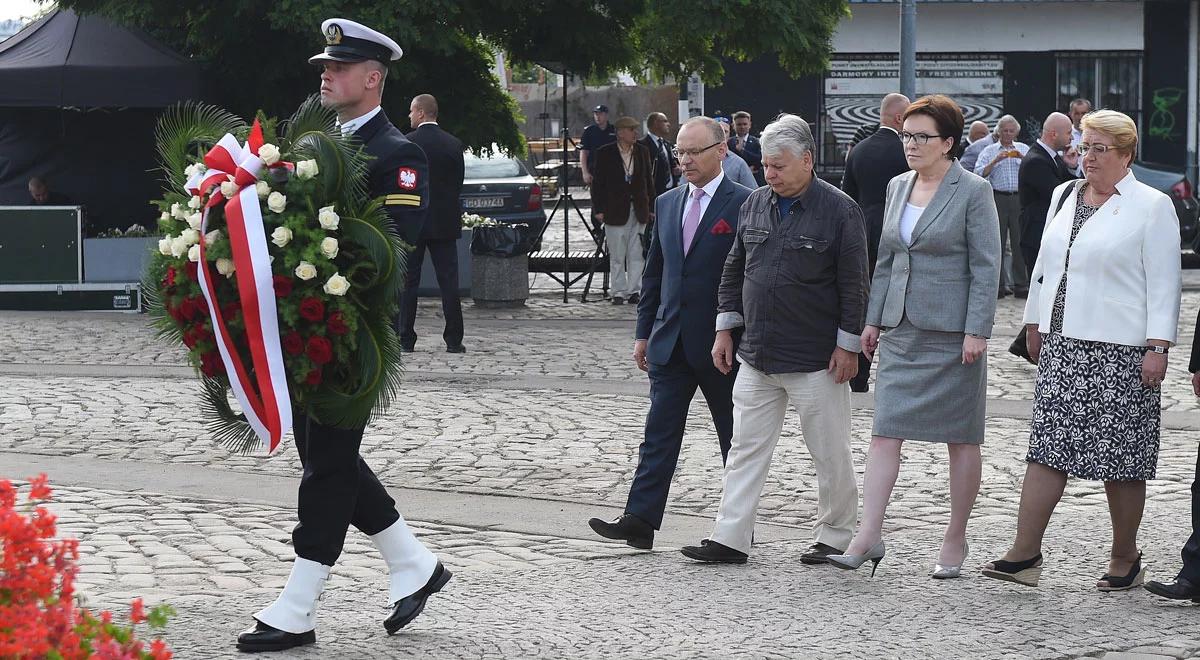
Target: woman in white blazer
column 1102, row 312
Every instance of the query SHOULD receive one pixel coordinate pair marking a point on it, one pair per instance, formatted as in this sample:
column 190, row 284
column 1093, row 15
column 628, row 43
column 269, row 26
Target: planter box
column 117, row 259
column 428, row 286
column 500, row 282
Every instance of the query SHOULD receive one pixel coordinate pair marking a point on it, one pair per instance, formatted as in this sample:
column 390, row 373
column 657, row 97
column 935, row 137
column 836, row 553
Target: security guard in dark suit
column 443, row 225
column 338, row 489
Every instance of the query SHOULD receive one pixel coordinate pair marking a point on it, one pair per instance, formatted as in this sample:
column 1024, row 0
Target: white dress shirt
column 354, row 124
column 1053, row 153
column 710, row 189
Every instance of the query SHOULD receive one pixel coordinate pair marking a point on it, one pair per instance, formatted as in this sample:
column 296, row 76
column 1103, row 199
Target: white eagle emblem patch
column 407, row 178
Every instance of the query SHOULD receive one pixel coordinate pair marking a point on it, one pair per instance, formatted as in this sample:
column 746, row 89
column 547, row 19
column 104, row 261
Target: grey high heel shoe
column 950, row 571
column 852, row 562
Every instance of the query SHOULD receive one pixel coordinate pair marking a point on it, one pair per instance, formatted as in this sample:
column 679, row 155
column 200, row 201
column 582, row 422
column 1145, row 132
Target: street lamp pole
column 908, row 48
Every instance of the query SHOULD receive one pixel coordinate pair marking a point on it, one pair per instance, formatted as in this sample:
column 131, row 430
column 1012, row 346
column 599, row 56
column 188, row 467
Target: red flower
column 39, row 488
column 314, row 377
column 211, row 364
column 170, row 279
column 337, row 324
column 137, row 612
column 229, row 310
column 319, row 350
column 312, row 309
column 293, row 343
column 191, row 270
column 189, row 338
column 283, row 286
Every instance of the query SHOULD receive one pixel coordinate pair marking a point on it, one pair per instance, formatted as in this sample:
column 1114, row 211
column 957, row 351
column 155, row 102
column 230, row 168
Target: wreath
column 276, row 271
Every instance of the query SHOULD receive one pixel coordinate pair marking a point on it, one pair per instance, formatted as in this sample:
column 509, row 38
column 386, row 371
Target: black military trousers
column 1191, row 549
column 444, row 254
column 336, row 491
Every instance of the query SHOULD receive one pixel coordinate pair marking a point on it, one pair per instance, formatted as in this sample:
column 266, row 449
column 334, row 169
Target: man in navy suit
column 693, row 232
column 746, row 145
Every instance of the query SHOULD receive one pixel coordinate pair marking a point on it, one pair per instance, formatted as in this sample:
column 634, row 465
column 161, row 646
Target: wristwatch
column 1161, row 350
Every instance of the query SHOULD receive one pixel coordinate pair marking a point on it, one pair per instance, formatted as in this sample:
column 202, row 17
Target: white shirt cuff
column 849, row 342
column 729, row 321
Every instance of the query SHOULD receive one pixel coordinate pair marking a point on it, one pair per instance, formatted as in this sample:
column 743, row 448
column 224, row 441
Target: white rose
column 212, row 237
column 164, row 217
column 277, row 202
column 194, row 202
column 263, row 189
column 329, row 247
column 177, row 211
column 225, row 267
column 194, row 220
column 194, row 169
column 194, row 253
column 190, row 236
column 269, row 153
column 164, row 245
column 179, row 247
column 229, row 189
column 306, row 271
column 281, row 236
column 328, row 218
column 306, row 169
column 336, row 285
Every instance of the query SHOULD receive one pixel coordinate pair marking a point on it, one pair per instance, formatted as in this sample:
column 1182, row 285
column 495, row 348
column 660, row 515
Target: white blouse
column 908, row 220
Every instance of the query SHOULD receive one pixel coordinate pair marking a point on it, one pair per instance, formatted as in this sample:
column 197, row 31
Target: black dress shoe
column 262, row 638
column 457, row 348
column 628, row 528
column 714, row 553
column 618, row 300
column 1002, row 293
column 633, row 298
column 859, row 387
column 817, row 554
column 406, row 609
column 1180, row 589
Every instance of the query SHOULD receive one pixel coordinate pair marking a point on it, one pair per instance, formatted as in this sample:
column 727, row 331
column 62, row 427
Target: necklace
column 627, row 162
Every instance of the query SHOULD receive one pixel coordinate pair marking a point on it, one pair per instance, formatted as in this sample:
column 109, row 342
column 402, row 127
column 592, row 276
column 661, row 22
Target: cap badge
column 333, row 34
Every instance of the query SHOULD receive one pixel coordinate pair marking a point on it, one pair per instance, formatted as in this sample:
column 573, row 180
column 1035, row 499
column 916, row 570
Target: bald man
column 1043, row 168
column 976, row 146
column 977, row 131
column 869, row 168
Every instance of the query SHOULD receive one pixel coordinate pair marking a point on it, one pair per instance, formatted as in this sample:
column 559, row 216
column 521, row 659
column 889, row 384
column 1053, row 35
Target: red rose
column 189, row 339
column 283, row 286
column 292, row 343
column 191, row 270
column 314, row 377
column 170, row 279
column 319, row 350
column 336, row 324
column 312, row 309
column 187, row 309
column 201, row 333
column 211, row 365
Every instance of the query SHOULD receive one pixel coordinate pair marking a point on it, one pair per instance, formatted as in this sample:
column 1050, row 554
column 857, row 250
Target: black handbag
column 1020, row 346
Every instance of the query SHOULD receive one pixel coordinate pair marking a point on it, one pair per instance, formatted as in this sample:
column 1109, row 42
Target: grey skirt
column 923, row 391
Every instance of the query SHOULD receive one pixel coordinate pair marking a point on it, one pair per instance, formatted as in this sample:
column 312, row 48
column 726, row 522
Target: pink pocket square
column 721, row 227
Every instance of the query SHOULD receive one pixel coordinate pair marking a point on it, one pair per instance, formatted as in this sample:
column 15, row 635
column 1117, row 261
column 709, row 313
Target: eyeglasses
column 921, row 138
column 1083, row 148
column 680, row 153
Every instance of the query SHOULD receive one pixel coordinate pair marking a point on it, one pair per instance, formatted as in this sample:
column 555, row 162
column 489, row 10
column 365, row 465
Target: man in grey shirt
column 977, row 145
column 735, row 166
column 795, row 289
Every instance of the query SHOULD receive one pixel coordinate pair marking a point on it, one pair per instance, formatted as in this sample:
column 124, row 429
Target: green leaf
column 185, row 132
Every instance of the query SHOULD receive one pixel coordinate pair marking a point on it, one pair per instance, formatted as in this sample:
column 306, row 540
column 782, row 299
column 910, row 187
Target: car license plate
column 483, row 202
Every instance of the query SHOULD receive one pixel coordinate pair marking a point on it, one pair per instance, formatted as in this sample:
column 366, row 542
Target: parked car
column 498, row 186
column 1171, row 180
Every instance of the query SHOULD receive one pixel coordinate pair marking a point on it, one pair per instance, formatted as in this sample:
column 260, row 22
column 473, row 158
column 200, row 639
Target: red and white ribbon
column 264, row 398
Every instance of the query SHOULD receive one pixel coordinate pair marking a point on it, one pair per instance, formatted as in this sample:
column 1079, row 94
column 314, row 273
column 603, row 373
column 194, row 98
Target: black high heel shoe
column 1026, row 572
column 1134, row 578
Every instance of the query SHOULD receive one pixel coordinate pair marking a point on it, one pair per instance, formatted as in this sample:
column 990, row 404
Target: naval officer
column 338, row 489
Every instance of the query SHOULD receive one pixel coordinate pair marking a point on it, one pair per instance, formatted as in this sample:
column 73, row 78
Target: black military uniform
column 443, row 227
column 337, row 488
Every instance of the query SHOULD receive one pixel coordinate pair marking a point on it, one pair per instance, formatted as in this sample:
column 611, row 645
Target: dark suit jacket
column 870, row 166
column 679, row 294
column 1194, row 363
column 445, row 154
column 399, row 173
column 1036, row 180
column 612, row 195
column 752, row 153
column 664, row 163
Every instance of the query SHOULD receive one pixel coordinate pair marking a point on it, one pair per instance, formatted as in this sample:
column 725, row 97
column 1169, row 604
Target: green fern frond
column 231, row 429
column 185, row 132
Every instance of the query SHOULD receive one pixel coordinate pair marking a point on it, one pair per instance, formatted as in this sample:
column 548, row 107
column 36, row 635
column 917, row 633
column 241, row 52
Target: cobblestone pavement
column 546, row 409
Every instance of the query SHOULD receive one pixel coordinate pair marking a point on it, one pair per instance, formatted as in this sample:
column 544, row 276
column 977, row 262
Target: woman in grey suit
column 930, row 313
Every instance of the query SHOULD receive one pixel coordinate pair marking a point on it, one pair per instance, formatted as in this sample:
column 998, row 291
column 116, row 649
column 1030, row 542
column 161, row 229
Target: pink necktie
column 691, row 221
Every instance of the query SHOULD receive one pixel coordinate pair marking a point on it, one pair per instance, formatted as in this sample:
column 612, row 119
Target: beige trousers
column 760, row 403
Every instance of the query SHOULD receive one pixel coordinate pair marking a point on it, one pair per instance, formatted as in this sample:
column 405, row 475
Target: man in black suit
column 694, row 228
column 442, row 227
column 1187, row 584
column 666, row 166
column 870, row 165
column 746, row 145
column 338, row 489
column 1042, row 170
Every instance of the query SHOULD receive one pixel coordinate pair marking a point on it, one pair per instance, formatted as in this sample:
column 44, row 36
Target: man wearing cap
column 623, row 199
column 595, row 136
column 337, row 488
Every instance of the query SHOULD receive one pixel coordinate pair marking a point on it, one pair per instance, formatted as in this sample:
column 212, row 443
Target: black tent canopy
column 66, row 60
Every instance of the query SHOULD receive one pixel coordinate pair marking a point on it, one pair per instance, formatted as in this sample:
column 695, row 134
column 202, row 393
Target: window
column 1112, row 81
column 493, row 167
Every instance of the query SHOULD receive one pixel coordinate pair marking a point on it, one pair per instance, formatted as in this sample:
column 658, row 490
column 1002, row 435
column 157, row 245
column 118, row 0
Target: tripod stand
column 566, row 203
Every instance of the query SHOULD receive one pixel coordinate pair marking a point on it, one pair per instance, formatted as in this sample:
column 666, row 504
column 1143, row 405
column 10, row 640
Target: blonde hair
column 1116, row 125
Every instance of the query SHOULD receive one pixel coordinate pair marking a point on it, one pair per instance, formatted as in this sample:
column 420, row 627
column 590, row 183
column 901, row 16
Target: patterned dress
column 1092, row 416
